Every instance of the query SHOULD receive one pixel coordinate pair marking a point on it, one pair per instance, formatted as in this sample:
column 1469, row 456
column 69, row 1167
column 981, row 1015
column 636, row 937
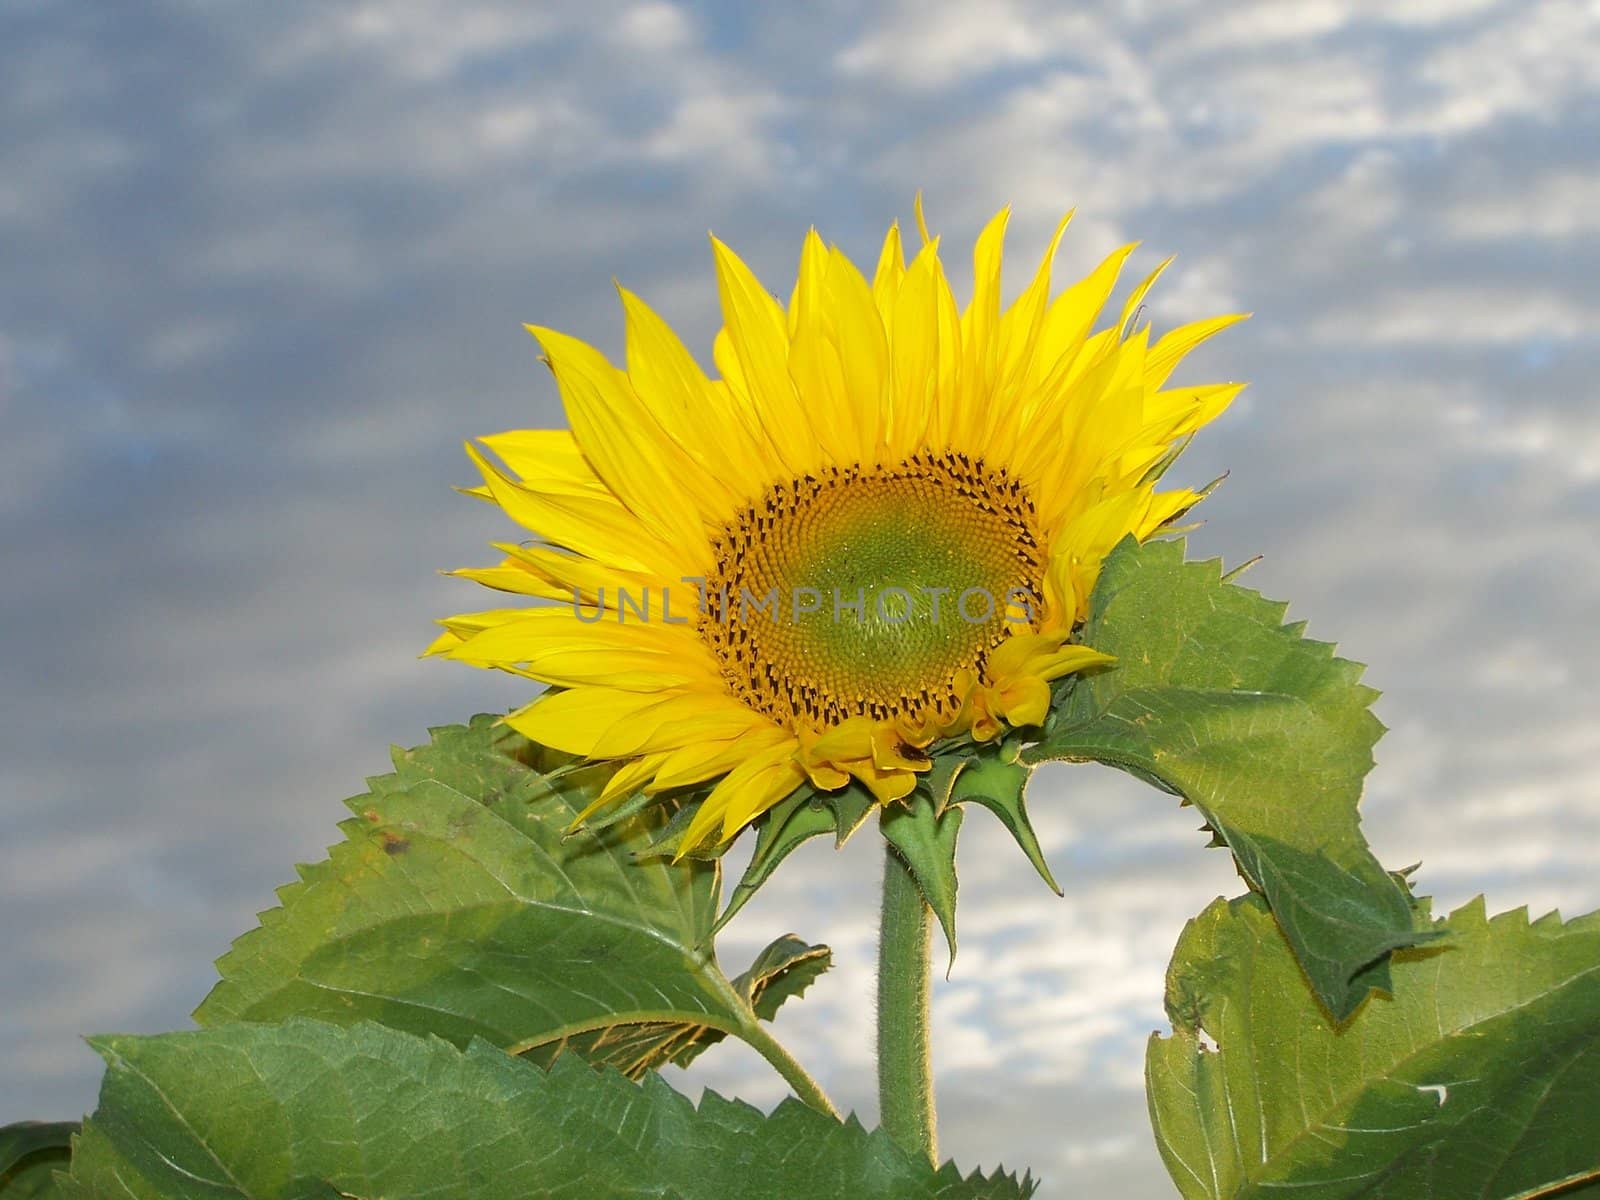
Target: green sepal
column 939, row 780
column 779, row 832
column 850, row 807
column 926, row 841
column 617, row 813
column 1163, row 464
column 796, row 819
column 669, row 841
column 997, row 782
column 1233, row 575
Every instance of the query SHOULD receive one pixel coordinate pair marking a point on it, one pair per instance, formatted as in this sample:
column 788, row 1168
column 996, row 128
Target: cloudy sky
column 264, row 268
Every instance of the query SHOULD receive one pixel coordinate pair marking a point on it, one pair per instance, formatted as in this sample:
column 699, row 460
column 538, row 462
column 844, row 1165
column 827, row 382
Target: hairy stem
column 796, row 1076
column 905, row 1064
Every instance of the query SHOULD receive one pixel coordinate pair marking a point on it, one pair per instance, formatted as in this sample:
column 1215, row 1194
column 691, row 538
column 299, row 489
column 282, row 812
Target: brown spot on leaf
column 394, row 844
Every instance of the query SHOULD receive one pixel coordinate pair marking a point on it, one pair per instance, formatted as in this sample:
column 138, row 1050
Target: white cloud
column 1565, row 447
column 1560, row 204
column 1444, row 314
column 1184, row 104
column 653, row 28
column 1427, row 12
column 1521, row 665
column 722, row 127
column 1264, row 24
column 1531, row 60
column 191, row 338
column 928, row 47
column 421, row 40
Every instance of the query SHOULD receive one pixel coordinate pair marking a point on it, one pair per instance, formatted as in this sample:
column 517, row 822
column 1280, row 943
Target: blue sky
column 266, row 267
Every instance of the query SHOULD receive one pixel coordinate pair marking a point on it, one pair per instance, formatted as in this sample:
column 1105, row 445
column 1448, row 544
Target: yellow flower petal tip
column 874, row 527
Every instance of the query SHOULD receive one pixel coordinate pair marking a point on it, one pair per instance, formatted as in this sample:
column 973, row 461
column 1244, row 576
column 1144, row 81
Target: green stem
column 905, row 1063
column 796, row 1076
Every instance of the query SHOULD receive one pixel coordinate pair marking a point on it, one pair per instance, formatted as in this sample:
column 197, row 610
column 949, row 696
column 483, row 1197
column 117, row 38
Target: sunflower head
column 869, row 535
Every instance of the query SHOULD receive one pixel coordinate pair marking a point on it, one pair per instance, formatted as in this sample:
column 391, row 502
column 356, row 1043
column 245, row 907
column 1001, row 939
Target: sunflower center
column 865, row 590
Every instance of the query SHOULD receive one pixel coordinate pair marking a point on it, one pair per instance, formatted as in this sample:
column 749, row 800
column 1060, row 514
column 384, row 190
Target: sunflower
column 874, row 532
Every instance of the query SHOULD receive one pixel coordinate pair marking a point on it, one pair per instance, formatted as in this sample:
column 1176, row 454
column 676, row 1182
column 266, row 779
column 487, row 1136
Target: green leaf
column 785, row 969
column 1266, row 733
column 34, row 1178
column 31, row 1152
column 1478, row 1079
column 307, row 1110
column 926, row 842
column 459, row 906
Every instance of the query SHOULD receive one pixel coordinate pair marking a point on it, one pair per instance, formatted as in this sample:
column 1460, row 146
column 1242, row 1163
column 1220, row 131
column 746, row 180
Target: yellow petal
column 822, row 773
column 1070, row 659
column 1024, row 701
column 462, row 626
column 986, row 723
column 979, row 326
column 889, row 755
column 627, row 445
column 765, row 785
column 1072, row 315
column 868, row 749
column 1167, row 353
column 886, row 785
column 746, row 792
column 697, row 763
column 863, row 354
column 941, row 386
column 757, row 340
column 681, row 720
column 443, row 644
column 1011, row 658
column 547, row 459
column 555, row 645
column 918, row 358
column 890, row 271
column 1178, row 412
column 595, row 525
column 807, row 305
column 1016, row 338
column 825, row 776
column 816, row 365
column 736, row 465
column 1135, row 300
column 849, row 740
column 1079, row 548
column 512, row 576
column 574, row 721
column 599, row 584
